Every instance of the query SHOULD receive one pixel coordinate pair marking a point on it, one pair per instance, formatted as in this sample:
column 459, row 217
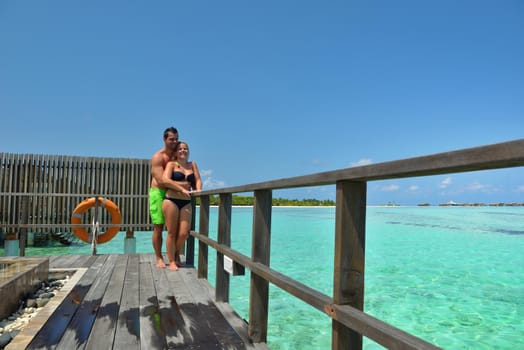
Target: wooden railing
column 345, row 307
column 30, row 184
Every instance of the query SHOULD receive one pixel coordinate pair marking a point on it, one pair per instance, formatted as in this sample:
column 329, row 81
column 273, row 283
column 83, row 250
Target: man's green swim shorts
column 156, row 197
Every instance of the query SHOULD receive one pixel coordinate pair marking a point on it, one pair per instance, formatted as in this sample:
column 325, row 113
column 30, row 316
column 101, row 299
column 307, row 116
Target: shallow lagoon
column 451, row 275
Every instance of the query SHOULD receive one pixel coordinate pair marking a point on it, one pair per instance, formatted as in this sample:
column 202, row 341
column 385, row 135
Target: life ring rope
column 85, row 205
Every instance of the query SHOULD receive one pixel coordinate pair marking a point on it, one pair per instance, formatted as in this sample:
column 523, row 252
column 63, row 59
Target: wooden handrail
column 496, row 156
column 350, row 323
column 367, row 325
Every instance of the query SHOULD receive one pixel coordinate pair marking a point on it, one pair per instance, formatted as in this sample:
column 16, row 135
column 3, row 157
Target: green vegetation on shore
column 248, row 200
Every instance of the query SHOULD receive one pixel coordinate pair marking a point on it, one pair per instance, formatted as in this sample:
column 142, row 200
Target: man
column 158, row 188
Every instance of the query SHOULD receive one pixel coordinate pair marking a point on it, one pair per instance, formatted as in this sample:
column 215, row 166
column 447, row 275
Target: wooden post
column 23, row 220
column 190, row 242
column 11, row 244
column 260, row 252
column 348, row 285
column 223, row 237
column 203, row 228
column 130, row 242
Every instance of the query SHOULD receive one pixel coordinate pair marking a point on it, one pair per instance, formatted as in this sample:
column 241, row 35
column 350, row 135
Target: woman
column 177, row 204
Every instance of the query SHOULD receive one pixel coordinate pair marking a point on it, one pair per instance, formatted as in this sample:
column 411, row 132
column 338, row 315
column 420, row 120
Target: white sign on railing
column 233, row 268
column 228, row 265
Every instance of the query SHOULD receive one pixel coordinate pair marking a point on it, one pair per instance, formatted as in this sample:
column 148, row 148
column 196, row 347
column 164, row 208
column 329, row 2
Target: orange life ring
column 116, row 219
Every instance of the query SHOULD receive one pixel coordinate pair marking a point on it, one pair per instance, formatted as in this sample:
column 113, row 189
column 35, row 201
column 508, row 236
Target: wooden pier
column 126, row 302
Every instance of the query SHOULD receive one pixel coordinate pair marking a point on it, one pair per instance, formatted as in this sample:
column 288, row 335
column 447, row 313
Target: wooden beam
column 223, row 237
column 260, row 253
column 348, row 274
column 203, row 227
column 496, row 156
column 375, row 329
column 190, row 242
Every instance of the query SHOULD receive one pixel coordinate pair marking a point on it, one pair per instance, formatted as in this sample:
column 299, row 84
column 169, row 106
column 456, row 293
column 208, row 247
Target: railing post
column 190, row 242
column 223, row 237
column 130, row 242
column 203, row 229
column 12, row 244
column 348, row 284
column 24, row 219
column 260, row 252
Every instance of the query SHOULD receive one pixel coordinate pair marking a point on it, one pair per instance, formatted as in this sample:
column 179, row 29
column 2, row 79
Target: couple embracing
column 173, row 179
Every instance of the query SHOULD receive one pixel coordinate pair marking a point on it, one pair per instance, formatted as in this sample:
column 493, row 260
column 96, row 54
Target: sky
column 263, row 90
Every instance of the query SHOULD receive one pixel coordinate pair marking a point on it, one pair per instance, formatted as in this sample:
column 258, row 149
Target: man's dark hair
column 170, row 130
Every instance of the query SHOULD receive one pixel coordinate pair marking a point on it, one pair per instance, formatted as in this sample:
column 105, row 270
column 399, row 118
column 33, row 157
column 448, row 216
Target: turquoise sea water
column 453, row 276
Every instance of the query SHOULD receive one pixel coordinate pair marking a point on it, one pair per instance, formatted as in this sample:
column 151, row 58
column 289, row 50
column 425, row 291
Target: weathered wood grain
column 127, row 334
column 51, row 333
column 104, row 327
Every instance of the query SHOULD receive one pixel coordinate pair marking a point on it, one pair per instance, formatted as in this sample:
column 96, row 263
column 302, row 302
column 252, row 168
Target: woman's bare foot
column 172, row 266
column 178, row 261
column 160, row 263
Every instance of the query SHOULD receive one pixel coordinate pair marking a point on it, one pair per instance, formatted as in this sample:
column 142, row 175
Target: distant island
column 312, row 202
column 454, row 204
column 276, row 202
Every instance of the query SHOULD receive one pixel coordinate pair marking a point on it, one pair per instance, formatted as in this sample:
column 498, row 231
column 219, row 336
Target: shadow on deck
column 124, row 301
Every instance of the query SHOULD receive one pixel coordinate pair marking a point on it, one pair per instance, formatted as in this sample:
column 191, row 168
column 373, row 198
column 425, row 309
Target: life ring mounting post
column 82, row 233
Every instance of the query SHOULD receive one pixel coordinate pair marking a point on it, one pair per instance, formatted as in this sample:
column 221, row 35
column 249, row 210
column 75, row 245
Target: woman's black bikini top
column 180, row 176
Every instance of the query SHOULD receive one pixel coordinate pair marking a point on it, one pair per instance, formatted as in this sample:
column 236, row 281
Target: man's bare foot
column 160, row 263
column 172, row 266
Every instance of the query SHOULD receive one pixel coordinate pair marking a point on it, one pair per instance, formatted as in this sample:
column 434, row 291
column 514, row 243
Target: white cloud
column 390, row 188
column 413, row 188
column 362, row 162
column 208, row 182
column 446, row 182
column 476, row 186
column 520, row 189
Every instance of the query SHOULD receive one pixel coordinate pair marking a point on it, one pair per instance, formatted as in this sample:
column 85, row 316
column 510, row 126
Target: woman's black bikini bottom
column 180, row 203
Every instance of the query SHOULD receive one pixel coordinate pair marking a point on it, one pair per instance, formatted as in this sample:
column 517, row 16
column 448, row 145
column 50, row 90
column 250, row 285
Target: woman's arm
column 198, row 180
column 171, row 184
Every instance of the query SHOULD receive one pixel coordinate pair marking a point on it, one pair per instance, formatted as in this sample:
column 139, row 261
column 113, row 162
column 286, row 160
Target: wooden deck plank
column 86, row 260
column 68, row 261
column 104, row 328
column 151, row 336
column 78, row 330
column 172, row 323
column 192, row 328
column 180, row 304
column 209, row 313
column 61, row 261
column 195, row 320
column 127, row 335
column 49, row 336
column 72, row 261
column 126, row 302
column 233, row 318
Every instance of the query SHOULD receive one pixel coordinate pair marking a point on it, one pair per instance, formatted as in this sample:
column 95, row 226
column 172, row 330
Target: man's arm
column 157, row 169
column 157, row 172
